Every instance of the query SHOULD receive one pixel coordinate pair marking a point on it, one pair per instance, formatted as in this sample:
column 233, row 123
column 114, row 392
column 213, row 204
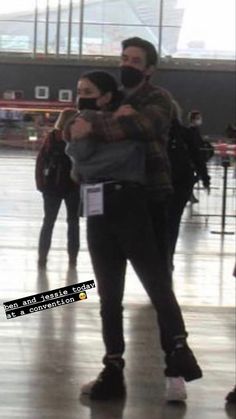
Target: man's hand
column 124, row 110
column 79, row 128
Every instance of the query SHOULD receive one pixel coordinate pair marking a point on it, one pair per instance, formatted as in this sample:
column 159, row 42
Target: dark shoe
column 231, row 397
column 109, row 384
column 182, row 363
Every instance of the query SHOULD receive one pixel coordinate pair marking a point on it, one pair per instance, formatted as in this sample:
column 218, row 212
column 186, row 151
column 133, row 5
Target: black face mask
column 130, row 76
column 87, row 103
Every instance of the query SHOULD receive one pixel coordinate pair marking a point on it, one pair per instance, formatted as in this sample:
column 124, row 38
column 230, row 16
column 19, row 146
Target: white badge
column 92, row 199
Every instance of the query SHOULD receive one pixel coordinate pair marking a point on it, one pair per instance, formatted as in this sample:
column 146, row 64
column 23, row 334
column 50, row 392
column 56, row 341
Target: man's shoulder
column 155, row 93
column 158, row 91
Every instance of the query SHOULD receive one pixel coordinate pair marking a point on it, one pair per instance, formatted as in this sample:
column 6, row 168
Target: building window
column 65, row 95
column 41, row 92
column 17, row 43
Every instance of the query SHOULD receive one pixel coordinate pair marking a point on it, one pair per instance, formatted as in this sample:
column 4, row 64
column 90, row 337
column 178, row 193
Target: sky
column 209, row 21
column 23, row 5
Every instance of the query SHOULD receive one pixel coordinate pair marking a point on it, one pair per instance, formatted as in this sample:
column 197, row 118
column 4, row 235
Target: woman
column 93, row 161
column 53, row 179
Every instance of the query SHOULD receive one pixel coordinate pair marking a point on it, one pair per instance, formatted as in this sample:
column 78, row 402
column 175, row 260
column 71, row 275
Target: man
column 144, row 115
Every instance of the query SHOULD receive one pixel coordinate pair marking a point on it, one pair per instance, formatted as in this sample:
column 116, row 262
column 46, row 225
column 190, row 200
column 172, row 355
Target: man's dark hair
column 146, row 46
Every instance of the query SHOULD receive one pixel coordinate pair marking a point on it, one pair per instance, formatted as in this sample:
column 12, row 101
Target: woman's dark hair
column 105, row 82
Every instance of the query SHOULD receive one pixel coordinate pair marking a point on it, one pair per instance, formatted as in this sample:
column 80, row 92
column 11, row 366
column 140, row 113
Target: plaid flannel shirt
column 151, row 123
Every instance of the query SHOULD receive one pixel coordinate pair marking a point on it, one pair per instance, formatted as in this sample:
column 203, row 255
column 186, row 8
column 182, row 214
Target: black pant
column 179, row 199
column 52, row 205
column 159, row 215
column 125, row 231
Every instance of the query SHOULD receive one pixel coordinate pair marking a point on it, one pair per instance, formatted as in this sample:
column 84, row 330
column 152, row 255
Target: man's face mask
column 130, row 76
column 89, row 103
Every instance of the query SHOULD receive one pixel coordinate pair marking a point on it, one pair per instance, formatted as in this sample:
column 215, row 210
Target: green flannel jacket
column 151, row 124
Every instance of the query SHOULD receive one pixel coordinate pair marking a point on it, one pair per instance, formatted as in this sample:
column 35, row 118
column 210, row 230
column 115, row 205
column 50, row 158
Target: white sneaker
column 87, row 388
column 175, row 389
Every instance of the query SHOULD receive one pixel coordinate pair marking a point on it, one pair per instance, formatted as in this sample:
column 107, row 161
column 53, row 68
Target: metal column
column 58, row 27
column 81, row 29
column 69, row 28
column 35, row 28
column 46, row 28
column 160, row 29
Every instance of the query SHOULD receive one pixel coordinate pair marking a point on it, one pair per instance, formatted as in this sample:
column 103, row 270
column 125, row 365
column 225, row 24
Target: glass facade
column 203, row 29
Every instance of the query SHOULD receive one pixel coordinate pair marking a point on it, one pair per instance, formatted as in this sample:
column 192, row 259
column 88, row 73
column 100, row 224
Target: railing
column 215, row 205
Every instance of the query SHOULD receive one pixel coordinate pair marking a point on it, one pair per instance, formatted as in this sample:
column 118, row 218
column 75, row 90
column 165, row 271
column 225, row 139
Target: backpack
column 182, row 166
column 53, row 166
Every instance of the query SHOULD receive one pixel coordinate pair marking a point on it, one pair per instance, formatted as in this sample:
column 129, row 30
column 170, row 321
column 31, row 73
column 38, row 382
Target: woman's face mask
column 89, row 103
column 88, row 95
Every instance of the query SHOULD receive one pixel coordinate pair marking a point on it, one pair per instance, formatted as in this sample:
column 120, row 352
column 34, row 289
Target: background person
column 187, row 165
column 53, row 180
column 231, row 396
column 203, row 148
column 230, row 132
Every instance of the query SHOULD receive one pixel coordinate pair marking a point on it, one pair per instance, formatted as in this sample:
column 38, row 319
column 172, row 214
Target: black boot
column 109, row 383
column 181, row 362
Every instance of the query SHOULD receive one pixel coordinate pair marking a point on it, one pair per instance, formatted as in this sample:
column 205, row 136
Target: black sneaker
column 109, row 384
column 182, row 363
column 231, row 397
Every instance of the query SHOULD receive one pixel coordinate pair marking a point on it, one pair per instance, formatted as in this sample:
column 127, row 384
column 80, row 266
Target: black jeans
column 179, row 199
column 125, row 231
column 52, row 205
